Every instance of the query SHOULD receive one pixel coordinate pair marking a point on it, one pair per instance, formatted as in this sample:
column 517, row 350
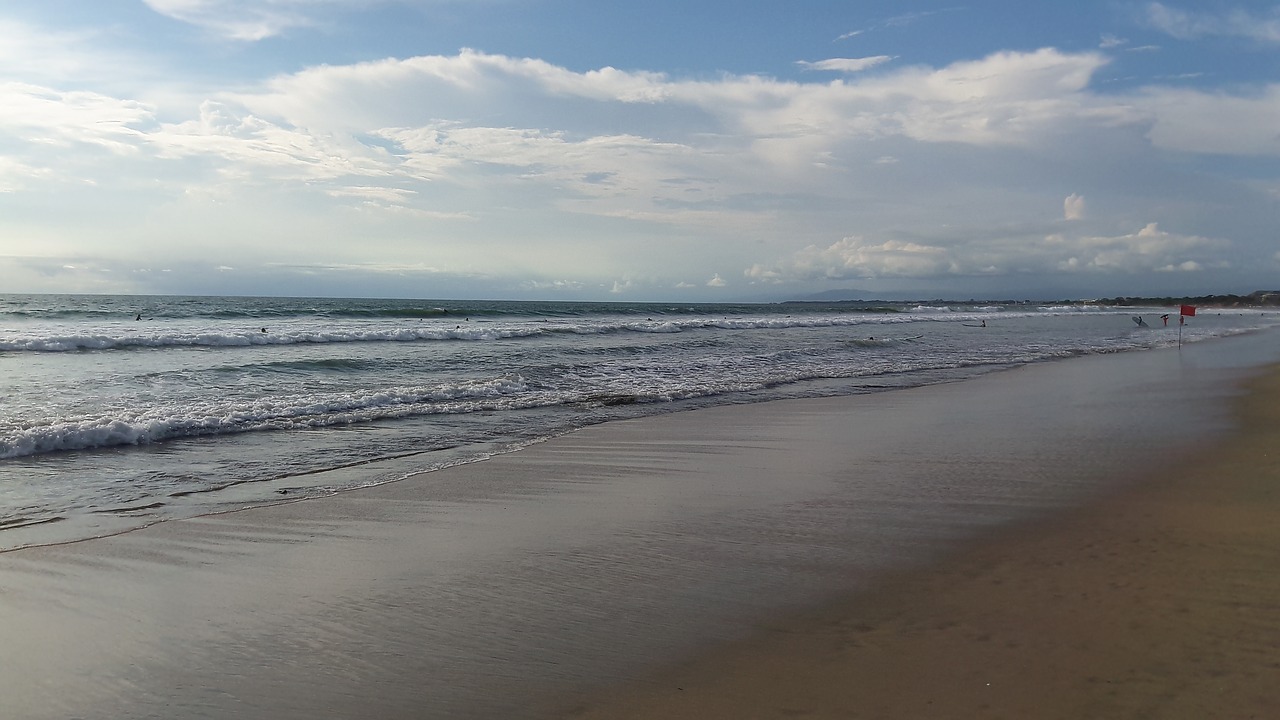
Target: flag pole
column 1184, row 312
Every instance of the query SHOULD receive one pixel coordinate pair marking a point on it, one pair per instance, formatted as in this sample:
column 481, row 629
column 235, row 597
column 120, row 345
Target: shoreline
column 101, row 487
column 539, row 580
column 1160, row 600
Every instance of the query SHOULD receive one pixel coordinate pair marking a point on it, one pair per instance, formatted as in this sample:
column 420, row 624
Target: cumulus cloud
column 716, row 281
column 317, row 124
column 1186, row 266
column 554, row 285
column 400, row 91
column 988, row 100
column 1145, row 250
column 887, row 158
column 1150, row 249
column 856, row 257
column 1073, row 207
column 1001, row 99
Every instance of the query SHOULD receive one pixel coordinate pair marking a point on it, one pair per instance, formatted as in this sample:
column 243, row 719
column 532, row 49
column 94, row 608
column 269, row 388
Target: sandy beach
column 1089, row 538
column 1159, row 602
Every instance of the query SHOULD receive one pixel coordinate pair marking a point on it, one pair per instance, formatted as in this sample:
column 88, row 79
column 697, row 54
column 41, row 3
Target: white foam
column 219, row 418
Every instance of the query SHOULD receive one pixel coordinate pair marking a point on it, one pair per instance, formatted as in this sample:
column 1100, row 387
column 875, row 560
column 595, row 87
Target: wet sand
column 1159, row 602
column 886, row 555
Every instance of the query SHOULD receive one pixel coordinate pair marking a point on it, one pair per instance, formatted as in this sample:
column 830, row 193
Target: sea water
column 117, row 412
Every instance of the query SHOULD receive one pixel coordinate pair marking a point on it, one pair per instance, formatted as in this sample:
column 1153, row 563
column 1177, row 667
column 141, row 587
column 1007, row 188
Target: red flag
column 1189, row 310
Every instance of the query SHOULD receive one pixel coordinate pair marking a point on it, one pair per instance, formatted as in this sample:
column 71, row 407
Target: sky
column 716, row 150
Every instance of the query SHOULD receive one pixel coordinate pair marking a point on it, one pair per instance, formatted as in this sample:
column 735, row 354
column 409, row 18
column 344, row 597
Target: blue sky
column 574, row 150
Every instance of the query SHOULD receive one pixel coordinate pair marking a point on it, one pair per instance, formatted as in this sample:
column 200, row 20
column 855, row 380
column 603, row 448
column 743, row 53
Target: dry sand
column 1161, row 602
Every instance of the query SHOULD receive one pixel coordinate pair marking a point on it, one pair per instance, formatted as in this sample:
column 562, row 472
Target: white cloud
column 1186, row 25
column 255, row 149
column 716, row 281
column 911, row 18
column 1073, row 207
column 1187, row 266
column 541, row 160
column 44, row 116
column 986, row 100
column 856, row 257
column 394, row 92
column 846, row 65
column 246, row 20
column 554, row 285
column 1194, row 121
column 308, row 125
column 30, row 52
column 899, row 21
column 380, row 194
column 1147, row 250
column 15, row 174
column 1005, row 98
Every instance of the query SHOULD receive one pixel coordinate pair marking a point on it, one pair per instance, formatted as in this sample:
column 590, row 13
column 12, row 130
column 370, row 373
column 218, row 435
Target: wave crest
column 124, row 428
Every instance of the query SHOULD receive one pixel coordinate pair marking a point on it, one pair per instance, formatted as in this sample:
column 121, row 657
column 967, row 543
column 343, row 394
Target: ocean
column 117, row 412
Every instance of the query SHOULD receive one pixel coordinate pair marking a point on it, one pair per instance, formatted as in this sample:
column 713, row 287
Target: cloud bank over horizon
column 235, row 157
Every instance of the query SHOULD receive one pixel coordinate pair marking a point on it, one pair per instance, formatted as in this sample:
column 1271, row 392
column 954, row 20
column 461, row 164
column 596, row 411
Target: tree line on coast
column 1260, row 298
